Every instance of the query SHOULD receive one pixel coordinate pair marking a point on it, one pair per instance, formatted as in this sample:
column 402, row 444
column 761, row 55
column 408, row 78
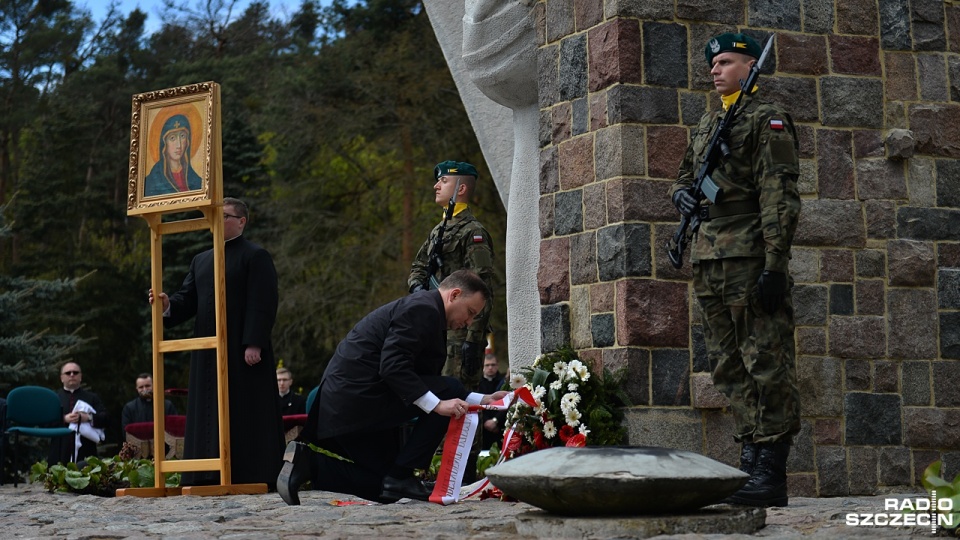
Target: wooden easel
column 212, row 220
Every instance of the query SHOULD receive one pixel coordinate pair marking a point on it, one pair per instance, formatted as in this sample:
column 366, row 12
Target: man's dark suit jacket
column 379, row 365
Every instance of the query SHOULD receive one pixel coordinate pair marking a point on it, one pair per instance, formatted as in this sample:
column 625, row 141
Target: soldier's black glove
column 416, row 287
column 685, row 202
column 772, row 287
column 472, row 357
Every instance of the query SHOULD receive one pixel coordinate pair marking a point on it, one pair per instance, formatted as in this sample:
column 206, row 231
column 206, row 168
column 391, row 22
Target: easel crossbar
column 188, row 344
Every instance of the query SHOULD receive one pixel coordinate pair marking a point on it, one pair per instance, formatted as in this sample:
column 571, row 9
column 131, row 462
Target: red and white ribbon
column 456, row 450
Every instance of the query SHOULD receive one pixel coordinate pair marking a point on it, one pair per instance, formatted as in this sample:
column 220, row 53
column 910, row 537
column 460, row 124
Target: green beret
column 740, row 43
column 454, row 168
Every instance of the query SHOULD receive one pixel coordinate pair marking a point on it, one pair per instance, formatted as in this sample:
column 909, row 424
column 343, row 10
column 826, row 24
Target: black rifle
column 703, row 185
column 436, row 259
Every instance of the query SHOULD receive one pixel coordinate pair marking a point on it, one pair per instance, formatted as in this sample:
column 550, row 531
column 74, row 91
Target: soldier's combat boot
column 768, row 481
column 748, row 457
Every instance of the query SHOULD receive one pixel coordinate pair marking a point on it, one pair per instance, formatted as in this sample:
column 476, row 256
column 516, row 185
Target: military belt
column 714, row 211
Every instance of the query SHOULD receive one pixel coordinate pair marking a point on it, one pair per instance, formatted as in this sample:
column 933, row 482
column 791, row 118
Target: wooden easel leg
column 232, row 489
column 148, row 492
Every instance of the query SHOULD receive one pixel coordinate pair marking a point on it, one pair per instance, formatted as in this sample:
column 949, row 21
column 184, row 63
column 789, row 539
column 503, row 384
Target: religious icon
column 174, row 148
column 172, row 171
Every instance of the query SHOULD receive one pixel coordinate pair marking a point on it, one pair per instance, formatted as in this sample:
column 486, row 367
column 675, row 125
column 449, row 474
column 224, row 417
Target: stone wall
column 874, row 86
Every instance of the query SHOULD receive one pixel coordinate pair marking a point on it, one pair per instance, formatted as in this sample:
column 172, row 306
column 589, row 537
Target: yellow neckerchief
column 460, row 207
column 732, row 98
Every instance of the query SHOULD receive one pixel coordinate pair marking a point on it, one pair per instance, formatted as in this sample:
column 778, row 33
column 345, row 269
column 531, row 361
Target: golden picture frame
column 175, row 149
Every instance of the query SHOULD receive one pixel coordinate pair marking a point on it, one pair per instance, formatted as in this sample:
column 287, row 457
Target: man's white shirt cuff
column 427, row 402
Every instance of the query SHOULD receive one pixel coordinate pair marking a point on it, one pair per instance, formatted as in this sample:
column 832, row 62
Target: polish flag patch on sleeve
column 478, row 239
column 776, row 124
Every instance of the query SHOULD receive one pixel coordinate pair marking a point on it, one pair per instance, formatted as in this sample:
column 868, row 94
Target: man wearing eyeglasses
column 290, row 402
column 256, row 428
column 62, row 448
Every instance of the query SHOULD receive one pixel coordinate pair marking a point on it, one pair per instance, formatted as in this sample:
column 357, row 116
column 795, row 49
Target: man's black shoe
column 410, row 488
column 297, row 470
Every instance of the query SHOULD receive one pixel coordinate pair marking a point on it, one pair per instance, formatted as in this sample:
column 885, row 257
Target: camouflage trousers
column 751, row 353
column 454, row 365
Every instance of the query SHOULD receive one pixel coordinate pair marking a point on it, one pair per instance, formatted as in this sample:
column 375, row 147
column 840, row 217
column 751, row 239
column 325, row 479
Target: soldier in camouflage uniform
column 740, row 259
column 466, row 244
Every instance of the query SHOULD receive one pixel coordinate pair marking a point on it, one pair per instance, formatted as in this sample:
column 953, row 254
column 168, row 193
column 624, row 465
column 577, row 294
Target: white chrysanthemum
column 583, row 430
column 517, row 380
column 569, row 402
column 571, row 399
column 537, row 360
column 560, row 368
column 540, row 409
column 549, row 430
column 572, row 387
column 573, row 417
column 556, row 385
column 585, row 376
column 539, row 392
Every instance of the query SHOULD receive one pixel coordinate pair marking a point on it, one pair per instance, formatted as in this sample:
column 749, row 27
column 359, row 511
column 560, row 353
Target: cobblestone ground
column 30, row 512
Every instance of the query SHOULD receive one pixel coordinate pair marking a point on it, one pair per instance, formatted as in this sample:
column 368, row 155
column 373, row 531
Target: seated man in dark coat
column 90, row 420
column 140, row 409
column 383, row 374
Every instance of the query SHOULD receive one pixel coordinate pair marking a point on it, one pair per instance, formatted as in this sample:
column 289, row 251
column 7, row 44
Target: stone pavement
column 30, row 512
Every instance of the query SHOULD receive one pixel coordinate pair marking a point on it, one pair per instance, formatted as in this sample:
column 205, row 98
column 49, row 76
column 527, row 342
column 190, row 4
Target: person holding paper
column 89, row 418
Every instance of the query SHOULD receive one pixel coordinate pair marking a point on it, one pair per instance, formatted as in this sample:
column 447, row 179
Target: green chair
column 30, row 412
column 312, row 396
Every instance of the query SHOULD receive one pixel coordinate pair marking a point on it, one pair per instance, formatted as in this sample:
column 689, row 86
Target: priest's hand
column 252, row 355
column 164, row 299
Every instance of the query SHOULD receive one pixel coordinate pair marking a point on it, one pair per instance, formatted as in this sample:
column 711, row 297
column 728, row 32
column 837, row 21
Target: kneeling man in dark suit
column 385, row 373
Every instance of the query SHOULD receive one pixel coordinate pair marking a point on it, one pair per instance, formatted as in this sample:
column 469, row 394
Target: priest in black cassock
column 256, row 427
column 62, row 449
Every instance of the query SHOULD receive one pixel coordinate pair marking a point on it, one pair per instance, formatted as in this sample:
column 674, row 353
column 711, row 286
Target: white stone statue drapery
column 490, row 46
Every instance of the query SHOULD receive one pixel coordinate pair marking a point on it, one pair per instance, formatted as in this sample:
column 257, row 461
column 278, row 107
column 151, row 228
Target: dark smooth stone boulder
column 616, row 480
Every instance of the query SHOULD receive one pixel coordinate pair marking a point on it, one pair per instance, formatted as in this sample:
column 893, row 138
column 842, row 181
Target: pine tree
column 30, row 351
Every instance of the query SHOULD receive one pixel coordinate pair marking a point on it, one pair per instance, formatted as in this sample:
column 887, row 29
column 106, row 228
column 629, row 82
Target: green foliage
column 932, row 481
column 101, row 477
column 27, row 342
column 484, row 462
column 328, row 453
column 434, row 469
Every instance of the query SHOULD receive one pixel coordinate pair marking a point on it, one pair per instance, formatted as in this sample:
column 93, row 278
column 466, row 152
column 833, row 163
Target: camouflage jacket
column 763, row 166
column 466, row 244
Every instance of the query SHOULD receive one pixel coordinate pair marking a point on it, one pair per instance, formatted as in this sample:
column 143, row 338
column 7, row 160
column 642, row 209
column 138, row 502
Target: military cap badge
column 454, row 168
column 730, row 42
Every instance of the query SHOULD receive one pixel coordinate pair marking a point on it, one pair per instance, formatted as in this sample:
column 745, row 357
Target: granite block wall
column 874, row 87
